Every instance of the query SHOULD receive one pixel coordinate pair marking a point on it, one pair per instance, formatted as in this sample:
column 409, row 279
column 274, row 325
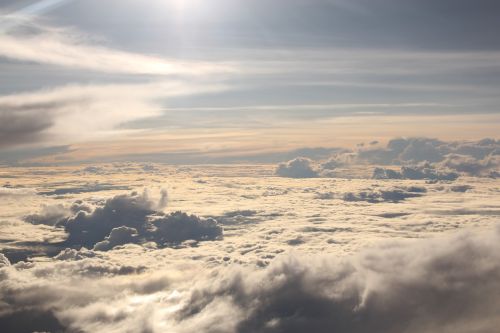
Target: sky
column 86, row 81
column 243, row 166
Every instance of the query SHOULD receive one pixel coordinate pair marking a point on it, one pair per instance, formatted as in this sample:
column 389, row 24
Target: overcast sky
column 83, row 80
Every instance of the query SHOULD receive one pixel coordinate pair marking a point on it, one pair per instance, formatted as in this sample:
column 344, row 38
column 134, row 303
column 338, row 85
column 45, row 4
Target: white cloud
column 72, row 113
column 299, row 167
column 28, row 40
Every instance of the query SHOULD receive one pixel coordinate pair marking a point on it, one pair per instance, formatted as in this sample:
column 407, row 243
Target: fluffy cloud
column 299, row 167
column 416, row 150
column 118, row 236
column 4, row 261
column 56, row 214
column 123, row 219
column 425, row 171
column 446, row 284
column 488, row 166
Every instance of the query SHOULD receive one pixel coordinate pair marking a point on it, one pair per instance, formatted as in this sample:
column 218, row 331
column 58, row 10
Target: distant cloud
column 418, row 172
column 299, row 167
column 15, row 192
column 385, row 195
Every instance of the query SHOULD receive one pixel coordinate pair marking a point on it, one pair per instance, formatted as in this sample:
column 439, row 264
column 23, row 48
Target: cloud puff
column 299, row 167
column 56, row 214
column 4, row 261
column 178, row 227
column 425, row 171
column 123, row 219
column 118, row 236
column 488, row 166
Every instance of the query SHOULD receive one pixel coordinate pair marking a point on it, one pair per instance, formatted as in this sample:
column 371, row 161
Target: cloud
column 4, row 261
column 124, row 219
column 178, row 227
column 31, row 41
column 425, row 171
column 49, row 215
column 428, row 286
column 129, row 210
column 79, row 113
column 70, row 112
column 118, row 236
column 15, row 192
column 87, row 188
column 446, row 284
column 385, row 195
column 299, row 167
column 488, row 166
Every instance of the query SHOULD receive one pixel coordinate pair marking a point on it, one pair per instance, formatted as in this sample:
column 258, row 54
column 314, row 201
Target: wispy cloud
column 26, row 39
column 87, row 112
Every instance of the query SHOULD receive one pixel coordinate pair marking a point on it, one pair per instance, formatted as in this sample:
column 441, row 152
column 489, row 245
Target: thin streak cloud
column 31, row 41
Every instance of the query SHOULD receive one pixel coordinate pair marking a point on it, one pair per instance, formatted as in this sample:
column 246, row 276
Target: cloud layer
column 447, row 284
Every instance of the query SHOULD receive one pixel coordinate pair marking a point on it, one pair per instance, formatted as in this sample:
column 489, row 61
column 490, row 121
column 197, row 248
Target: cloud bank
column 446, row 284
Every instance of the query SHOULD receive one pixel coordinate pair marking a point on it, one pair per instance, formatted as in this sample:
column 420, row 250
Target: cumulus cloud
column 488, row 166
column 118, row 236
column 446, row 284
column 462, row 156
column 299, row 167
column 418, row 172
column 49, row 215
column 123, row 219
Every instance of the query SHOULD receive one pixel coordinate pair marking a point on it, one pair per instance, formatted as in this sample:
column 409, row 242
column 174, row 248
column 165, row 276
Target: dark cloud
column 118, row 236
column 87, row 188
column 123, row 219
column 178, row 227
column 299, row 167
column 415, row 172
column 385, row 195
column 22, row 127
column 461, row 188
